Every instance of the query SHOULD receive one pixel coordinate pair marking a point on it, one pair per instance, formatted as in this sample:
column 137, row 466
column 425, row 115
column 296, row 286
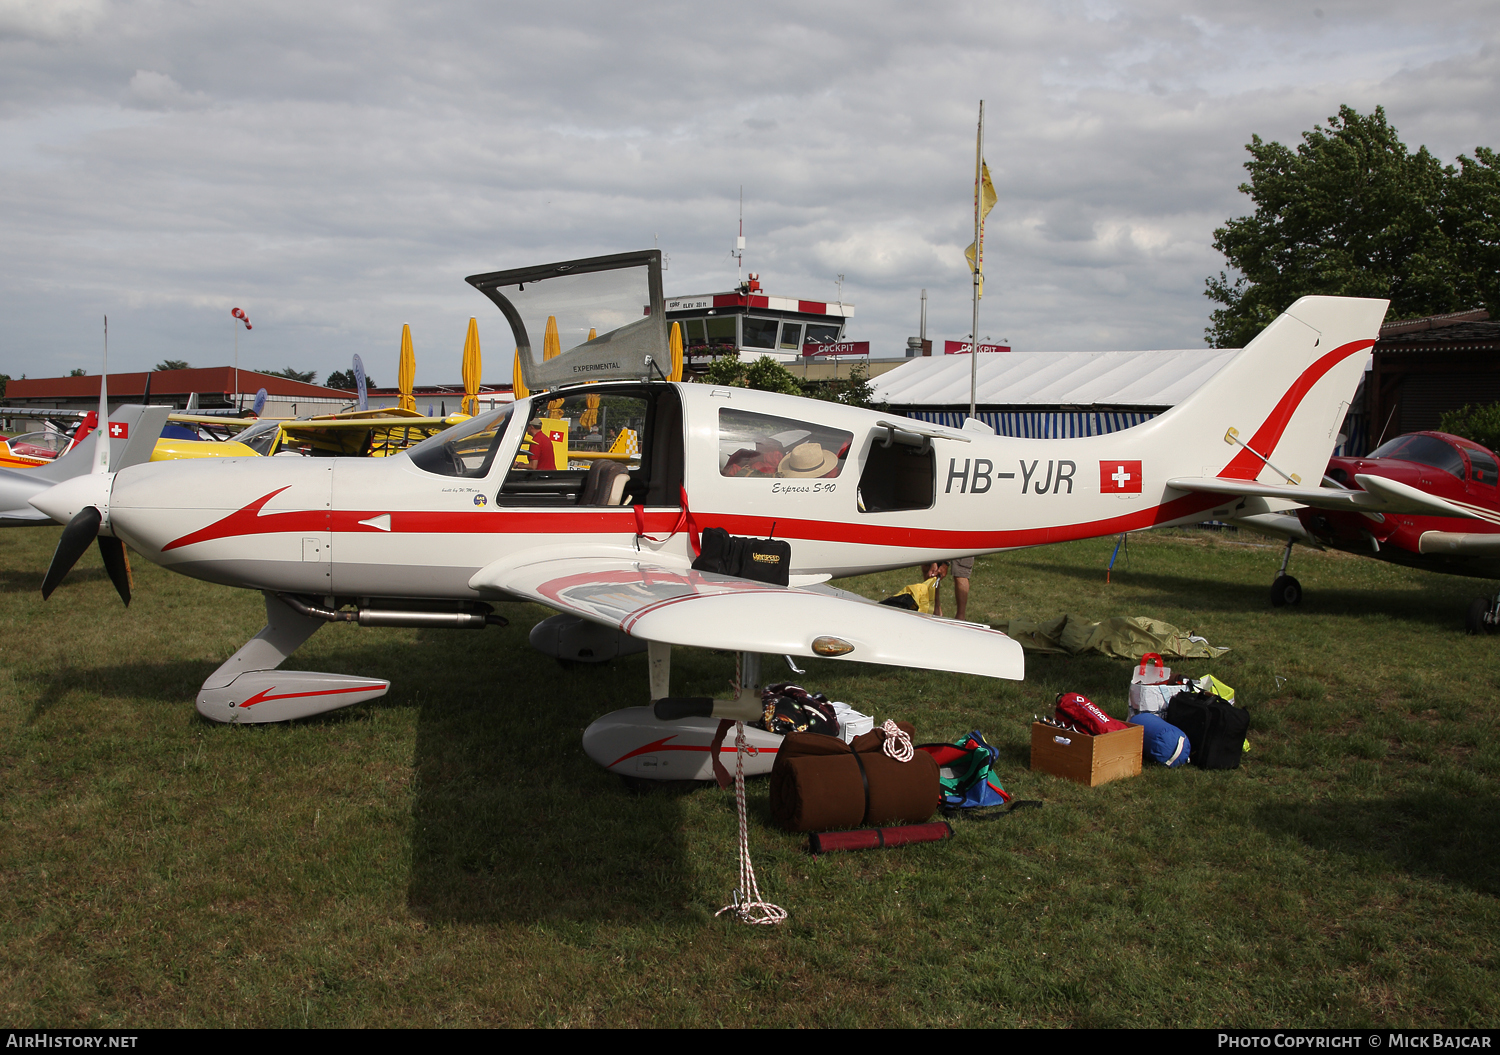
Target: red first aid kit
column 1078, row 710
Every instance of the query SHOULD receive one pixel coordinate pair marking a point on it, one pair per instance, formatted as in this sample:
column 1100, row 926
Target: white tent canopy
column 1151, row 380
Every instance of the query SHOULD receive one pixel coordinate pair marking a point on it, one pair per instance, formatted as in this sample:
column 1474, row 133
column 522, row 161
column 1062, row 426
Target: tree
column 1480, row 424
column 293, row 374
column 4, row 380
column 345, row 379
column 1352, row 212
column 173, row 364
column 726, row 370
column 765, row 374
column 78, row 371
column 853, row 391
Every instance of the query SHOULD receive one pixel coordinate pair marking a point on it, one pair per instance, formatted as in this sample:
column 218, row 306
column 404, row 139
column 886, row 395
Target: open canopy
column 618, row 297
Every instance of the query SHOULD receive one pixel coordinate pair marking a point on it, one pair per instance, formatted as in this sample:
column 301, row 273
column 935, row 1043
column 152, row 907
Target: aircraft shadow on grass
column 511, row 820
column 1444, row 834
column 1441, row 604
column 13, row 580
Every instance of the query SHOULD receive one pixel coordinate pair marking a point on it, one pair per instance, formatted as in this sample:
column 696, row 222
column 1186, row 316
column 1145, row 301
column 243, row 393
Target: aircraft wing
column 365, row 424
column 656, row 600
column 1380, row 495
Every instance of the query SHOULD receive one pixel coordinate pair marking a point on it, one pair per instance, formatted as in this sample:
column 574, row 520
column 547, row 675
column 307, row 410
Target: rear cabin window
column 760, row 445
column 1482, row 468
column 897, row 476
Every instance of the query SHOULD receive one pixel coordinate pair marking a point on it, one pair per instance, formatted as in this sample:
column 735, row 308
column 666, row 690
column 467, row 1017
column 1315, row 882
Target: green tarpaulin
column 1122, row 637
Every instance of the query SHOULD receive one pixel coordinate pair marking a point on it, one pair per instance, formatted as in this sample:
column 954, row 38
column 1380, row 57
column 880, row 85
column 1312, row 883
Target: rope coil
column 897, row 743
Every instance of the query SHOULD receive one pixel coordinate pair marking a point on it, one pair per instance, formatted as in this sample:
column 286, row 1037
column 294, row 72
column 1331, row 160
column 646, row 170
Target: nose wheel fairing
column 248, row 687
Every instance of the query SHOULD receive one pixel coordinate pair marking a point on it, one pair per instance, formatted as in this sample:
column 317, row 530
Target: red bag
column 1077, row 709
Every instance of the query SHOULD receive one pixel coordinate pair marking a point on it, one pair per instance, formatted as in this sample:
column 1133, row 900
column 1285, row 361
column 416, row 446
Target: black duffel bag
column 1215, row 727
column 761, row 559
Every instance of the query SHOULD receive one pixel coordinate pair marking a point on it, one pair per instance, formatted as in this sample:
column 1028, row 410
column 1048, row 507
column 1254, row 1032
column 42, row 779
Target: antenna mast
column 739, row 244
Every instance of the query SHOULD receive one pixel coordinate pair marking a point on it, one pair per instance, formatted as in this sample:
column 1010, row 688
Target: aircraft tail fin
column 135, row 428
column 1273, row 413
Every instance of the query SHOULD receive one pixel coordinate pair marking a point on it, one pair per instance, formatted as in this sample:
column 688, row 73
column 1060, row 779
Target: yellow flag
column 406, row 371
column 517, row 385
column 675, row 343
column 983, row 202
column 471, row 369
column 551, row 342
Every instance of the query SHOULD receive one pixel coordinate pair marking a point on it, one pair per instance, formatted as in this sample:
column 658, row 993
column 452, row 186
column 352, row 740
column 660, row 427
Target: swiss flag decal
column 1120, row 478
column 119, row 430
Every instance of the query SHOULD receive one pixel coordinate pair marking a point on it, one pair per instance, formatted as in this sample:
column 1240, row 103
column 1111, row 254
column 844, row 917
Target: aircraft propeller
column 76, row 536
column 89, row 495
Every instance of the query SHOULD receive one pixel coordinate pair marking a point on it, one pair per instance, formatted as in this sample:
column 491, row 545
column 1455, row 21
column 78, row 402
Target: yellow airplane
column 359, row 433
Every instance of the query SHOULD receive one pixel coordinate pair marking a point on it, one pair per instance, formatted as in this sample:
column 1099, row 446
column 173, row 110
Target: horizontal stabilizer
column 1380, row 495
column 679, row 606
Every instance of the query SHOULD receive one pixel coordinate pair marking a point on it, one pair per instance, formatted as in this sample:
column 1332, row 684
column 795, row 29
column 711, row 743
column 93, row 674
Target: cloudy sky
column 336, row 169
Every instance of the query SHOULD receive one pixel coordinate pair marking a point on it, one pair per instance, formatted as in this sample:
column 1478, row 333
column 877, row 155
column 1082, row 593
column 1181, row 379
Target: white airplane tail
column 1273, row 413
column 135, row 429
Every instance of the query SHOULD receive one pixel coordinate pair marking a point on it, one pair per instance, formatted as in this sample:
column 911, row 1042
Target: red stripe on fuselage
column 1246, row 466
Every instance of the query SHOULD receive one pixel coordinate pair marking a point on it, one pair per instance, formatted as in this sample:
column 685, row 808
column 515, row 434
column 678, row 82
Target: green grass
column 448, row 856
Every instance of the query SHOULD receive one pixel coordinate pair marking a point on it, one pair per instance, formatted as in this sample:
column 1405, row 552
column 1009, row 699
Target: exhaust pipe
column 477, row 617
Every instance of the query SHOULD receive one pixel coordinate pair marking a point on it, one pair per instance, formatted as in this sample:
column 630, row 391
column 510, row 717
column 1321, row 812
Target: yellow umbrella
column 589, row 419
column 551, row 343
column 593, row 333
column 675, row 374
column 517, row 385
column 406, row 372
column 470, row 404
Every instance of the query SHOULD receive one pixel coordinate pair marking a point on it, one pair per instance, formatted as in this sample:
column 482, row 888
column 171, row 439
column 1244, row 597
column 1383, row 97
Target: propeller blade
column 117, row 563
column 81, row 530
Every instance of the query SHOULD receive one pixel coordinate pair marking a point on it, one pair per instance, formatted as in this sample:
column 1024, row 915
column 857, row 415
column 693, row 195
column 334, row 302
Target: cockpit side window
column 1426, row 450
column 590, row 446
column 466, row 450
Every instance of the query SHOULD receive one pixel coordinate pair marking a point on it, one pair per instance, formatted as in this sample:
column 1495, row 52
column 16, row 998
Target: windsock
column 238, row 314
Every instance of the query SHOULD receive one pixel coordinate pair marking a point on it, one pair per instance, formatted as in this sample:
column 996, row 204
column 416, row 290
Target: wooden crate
column 1091, row 760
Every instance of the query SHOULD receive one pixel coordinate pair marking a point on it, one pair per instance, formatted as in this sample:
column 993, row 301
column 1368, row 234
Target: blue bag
column 964, row 773
column 1164, row 742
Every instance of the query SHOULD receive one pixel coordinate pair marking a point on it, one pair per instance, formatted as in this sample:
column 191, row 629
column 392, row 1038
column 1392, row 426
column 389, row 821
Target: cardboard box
column 1091, row 760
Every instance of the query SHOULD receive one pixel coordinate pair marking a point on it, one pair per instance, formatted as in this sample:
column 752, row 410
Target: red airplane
column 1458, row 532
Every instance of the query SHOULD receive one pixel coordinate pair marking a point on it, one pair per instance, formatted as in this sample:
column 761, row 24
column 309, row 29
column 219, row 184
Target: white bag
column 1149, row 690
column 851, row 722
column 1152, row 699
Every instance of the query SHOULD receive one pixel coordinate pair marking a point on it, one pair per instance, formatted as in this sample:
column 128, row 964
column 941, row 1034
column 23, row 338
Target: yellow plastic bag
column 924, row 593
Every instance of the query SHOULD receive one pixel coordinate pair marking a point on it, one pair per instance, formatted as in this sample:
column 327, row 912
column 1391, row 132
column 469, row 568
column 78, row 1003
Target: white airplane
column 514, row 505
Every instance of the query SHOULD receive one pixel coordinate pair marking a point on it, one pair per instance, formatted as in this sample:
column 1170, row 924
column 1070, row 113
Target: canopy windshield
column 552, row 309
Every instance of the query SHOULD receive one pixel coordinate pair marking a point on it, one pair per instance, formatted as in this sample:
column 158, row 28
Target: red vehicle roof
column 124, row 387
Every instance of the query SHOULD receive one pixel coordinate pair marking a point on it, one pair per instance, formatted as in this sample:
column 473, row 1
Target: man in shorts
column 960, row 568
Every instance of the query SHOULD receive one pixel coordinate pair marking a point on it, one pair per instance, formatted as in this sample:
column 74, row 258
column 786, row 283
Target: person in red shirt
column 542, row 455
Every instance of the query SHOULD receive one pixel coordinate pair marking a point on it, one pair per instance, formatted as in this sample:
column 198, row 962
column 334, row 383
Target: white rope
column 897, row 743
column 747, row 905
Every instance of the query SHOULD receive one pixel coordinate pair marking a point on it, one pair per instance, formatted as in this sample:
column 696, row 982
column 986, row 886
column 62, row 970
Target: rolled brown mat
column 821, row 783
column 878, row 838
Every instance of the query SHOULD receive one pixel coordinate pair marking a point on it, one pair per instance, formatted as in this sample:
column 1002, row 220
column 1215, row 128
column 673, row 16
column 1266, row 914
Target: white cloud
column 48, row 20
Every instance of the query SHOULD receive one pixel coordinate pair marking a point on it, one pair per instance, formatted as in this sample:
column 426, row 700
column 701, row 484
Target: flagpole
column 978, row 259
